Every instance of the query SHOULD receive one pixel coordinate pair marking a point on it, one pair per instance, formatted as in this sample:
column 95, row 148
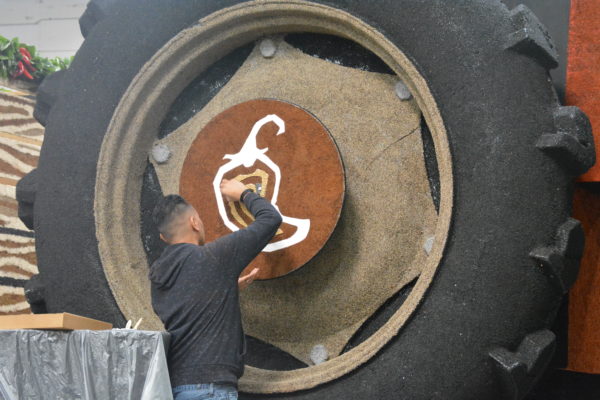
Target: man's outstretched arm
column 239, row 248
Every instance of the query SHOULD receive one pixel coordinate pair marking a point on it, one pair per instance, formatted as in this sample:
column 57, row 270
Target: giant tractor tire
column 499, row 151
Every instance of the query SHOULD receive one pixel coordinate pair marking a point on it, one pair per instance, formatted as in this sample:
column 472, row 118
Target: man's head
column 177, row 221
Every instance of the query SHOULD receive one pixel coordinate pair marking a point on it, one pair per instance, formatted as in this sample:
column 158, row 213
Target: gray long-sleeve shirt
column 195, row 294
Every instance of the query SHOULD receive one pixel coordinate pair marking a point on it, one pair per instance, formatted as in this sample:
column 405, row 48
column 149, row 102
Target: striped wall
column 20, row 142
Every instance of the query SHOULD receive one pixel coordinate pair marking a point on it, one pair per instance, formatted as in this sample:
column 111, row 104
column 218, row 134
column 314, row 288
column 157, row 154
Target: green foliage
column 10, row 57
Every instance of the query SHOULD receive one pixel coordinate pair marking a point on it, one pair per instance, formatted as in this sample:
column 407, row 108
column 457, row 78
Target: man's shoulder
column 212, row 249
column 192, row 251
column 176, row 252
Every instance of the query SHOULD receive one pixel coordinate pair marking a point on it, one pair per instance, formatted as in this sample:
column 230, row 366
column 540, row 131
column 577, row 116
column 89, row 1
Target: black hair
column 167, row 210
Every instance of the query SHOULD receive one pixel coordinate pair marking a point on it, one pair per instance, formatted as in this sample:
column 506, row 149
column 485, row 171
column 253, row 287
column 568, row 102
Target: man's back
column 195, row 294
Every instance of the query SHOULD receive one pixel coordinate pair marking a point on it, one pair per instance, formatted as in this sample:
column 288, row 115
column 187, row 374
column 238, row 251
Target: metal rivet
column 402, row 91
column 161, row 153
column 267, row 48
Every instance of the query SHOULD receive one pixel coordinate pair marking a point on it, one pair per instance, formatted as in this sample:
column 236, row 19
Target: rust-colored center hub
column 287, row 156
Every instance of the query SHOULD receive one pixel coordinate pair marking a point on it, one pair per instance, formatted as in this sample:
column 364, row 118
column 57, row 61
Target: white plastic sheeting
column 111, row 364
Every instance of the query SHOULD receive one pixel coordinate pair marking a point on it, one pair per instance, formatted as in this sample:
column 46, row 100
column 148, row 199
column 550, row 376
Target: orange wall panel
column 583, row 68
column 584, row 299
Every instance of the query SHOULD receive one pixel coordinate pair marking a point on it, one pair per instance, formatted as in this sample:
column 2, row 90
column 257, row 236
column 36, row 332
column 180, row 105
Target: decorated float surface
column 20, row 142
column 410, row 233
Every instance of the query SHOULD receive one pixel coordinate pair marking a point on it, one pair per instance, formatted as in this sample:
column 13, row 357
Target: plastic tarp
column 83, row 364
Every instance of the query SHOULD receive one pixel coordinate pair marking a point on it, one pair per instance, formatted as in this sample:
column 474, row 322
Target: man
column 195, row 292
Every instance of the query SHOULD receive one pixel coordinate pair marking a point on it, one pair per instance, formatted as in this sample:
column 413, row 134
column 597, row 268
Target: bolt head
column 161, row 153
column 319, row 354
column 402, row 91
column 268, row 48
column 428, row 245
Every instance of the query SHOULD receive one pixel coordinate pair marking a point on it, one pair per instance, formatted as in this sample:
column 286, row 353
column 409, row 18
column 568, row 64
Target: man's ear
column 195, row 223
column 163, row 238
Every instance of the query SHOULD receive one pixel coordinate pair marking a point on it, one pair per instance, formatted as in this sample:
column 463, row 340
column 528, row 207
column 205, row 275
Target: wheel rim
column 133, row 130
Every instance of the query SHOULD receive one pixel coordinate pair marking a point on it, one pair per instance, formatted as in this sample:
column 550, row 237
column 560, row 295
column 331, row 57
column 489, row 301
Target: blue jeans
column 205, row 391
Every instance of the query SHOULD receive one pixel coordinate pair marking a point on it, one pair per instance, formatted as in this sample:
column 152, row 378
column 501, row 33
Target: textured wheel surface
column 481, row 329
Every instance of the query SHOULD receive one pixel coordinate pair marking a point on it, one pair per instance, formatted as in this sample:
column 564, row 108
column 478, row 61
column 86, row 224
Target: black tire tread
column 25, row 193
column 519, row 370
column 531, row 38
column 94, row 12
column 34, row 293
column 47, row 94
column 572, row 145
column 560, row 261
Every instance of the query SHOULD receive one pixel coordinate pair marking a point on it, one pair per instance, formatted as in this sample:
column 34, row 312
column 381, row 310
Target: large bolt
column 268, row 48
column 161, row 153
column 428, row 245
column 319, row 354
column 402, row 91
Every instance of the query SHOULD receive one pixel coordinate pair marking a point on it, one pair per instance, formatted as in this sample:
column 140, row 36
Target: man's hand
column 246, row 280
column 232, row 189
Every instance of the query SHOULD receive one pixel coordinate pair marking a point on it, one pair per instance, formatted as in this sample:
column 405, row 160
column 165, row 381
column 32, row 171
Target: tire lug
column 35, row 291
column 94, row 12
column 25, row 193
column 531, row 38
column 47, row 96
column 572, row 145
column 520, row 370
column 560, row 262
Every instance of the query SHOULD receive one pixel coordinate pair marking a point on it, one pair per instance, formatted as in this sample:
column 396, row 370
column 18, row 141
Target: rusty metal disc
column 283, row 153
